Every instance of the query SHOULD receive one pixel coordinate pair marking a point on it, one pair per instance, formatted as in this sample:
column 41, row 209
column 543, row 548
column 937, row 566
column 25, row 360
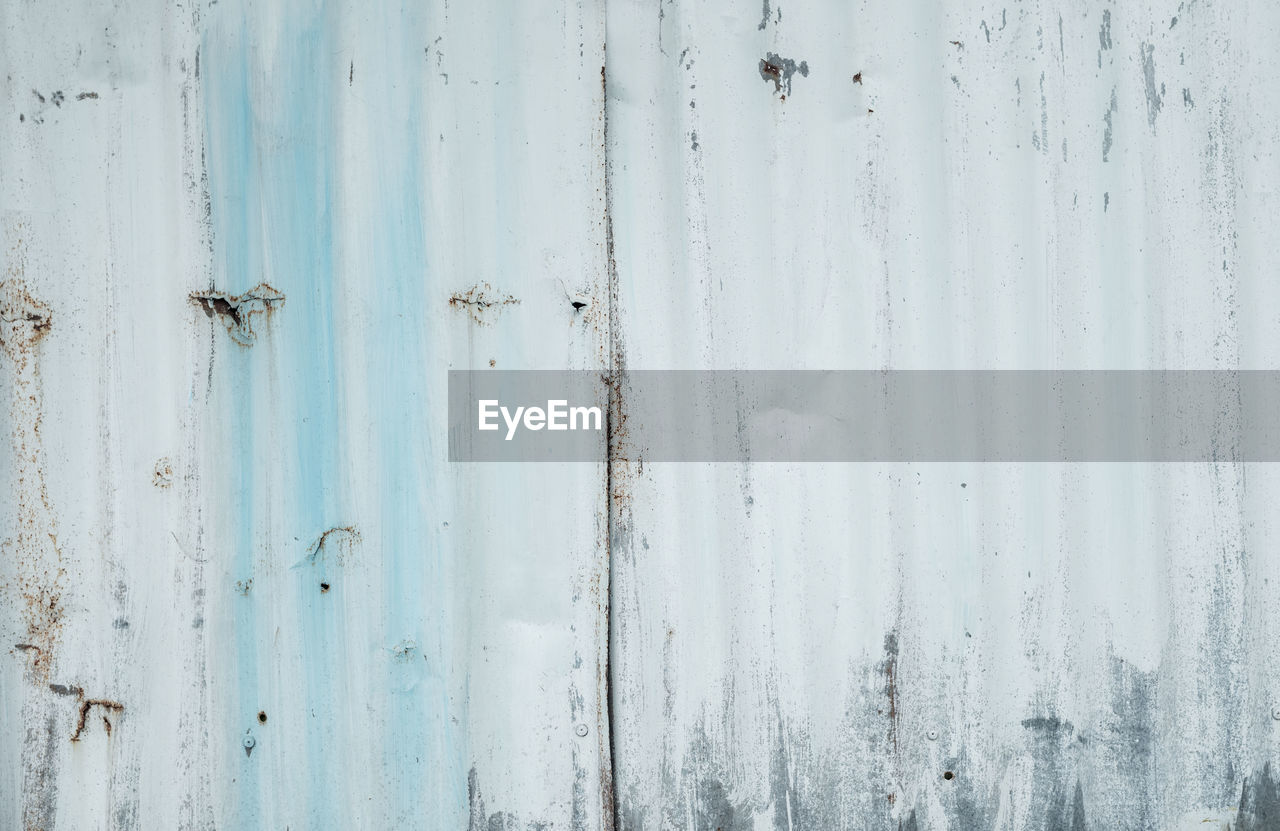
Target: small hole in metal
column 262, row 716
column 324, row 587
column 948, row 776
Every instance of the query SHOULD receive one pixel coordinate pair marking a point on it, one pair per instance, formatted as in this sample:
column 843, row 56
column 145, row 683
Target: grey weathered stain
column 750, row 679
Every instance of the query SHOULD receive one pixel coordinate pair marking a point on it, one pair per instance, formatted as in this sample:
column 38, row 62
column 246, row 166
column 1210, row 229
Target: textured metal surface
column 243, row 242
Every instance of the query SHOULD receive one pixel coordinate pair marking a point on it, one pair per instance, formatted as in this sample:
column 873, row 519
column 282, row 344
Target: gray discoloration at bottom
column 39, row 772
column 967, row 803
column 1259, row 802
column 479, row 820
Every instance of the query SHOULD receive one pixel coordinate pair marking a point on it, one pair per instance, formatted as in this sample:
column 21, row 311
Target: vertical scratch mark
column 613, row 506
column 1106, row 133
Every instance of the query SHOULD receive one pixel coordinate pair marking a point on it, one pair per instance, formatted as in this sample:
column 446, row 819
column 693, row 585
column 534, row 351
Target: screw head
column 1275, row 713
column 249, row 742
column 932, row 735
column 580, row 730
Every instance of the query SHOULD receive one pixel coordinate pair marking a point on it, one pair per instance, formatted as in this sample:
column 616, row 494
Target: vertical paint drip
column 367, row 592
column 422, row 750
column 270, row 154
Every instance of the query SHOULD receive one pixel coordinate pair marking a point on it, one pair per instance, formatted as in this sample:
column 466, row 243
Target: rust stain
column 340, row 540
column 86, row 704
column 236, row 311
column 481, row 302
column 24, row 323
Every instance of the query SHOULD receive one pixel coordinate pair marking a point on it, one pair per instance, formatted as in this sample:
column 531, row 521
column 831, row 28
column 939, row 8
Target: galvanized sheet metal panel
column 244, row 242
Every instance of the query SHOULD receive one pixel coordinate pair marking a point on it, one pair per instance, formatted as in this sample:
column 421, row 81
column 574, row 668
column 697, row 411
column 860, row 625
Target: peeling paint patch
column 1107, row 131
column 779, row 70
column 1155, row 97
column 236, row 312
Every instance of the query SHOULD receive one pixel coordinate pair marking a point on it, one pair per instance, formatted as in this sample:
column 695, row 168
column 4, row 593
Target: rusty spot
column 857, row 78
column 770, row 72
column 25, row 319
column 236, row 311
column 162, row 474
column 324, row 587
column 89, row 703
column 262, row 717
column 481, row 302
column 957, row 44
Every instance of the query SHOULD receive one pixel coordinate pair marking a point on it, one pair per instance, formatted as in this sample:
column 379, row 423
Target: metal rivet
column 580, row 730
column 249, row 742
column 932, row 735
column 1275, row 713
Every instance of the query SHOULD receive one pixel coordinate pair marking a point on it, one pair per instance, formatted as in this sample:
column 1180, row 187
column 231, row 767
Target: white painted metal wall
column 223, row 506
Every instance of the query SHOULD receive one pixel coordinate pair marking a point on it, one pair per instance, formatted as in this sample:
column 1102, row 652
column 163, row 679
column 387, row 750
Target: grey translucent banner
column 866, row 416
